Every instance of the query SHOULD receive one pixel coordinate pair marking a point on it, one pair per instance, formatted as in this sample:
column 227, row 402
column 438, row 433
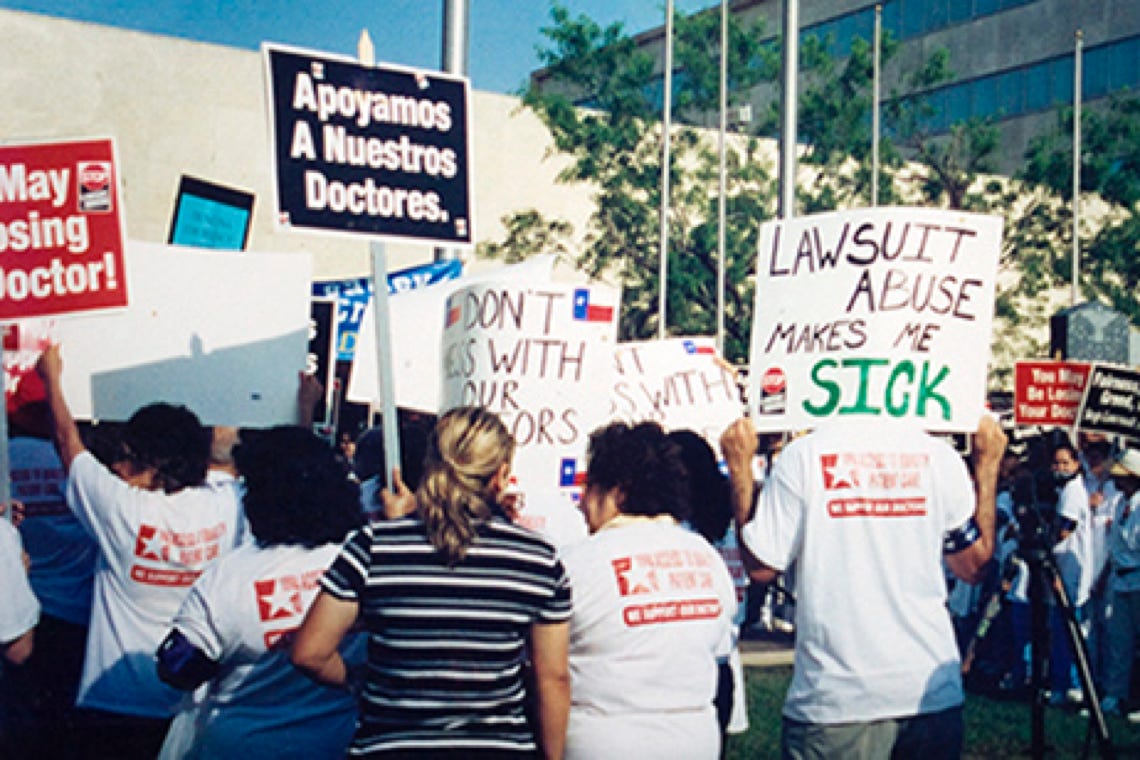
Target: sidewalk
column 760, row 648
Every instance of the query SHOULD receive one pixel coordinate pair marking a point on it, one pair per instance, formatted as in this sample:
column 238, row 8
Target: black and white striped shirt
column 446, row 644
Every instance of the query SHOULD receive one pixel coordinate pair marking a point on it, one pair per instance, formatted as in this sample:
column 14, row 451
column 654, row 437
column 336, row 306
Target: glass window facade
column 1039, row 86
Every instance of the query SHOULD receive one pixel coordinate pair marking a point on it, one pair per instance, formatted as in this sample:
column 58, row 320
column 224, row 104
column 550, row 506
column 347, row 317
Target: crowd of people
column 1072, row 501
column 196, row 592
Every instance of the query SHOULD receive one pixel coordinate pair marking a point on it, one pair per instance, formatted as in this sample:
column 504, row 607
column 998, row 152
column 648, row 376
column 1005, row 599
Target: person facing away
column 159, row 521
column 653, row 607
column 1124, row 584
column 867, row 512
column 38, row 698
column 453, row 596
column 234, row 629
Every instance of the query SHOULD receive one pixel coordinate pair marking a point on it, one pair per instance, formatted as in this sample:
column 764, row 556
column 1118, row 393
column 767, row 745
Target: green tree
column 615, row 146
column 1110, row 193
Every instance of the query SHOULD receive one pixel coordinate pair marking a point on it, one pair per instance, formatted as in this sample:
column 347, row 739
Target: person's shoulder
column 520, row 535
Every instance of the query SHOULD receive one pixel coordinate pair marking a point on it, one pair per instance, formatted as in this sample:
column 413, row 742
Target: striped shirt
column 447, row 644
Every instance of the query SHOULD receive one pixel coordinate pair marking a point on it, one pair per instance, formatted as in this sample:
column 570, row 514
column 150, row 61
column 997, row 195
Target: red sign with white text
column 1048, row 392
column 61, row 230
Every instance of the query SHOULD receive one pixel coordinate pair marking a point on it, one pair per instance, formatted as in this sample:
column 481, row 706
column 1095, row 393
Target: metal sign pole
column 383, row 322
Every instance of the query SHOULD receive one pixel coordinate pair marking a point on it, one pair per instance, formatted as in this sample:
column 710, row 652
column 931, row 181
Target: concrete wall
column 178, row 107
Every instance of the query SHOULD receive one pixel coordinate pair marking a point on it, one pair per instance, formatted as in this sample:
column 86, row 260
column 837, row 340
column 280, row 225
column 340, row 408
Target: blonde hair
column 465, row 451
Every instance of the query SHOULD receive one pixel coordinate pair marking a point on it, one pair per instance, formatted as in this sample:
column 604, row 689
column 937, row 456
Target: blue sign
column 354, row 294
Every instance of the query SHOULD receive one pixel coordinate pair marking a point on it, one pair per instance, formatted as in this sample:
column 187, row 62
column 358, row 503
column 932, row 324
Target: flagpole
column 453, row 58
column 666, row 124
column 788, row 104
column 1077, row 95
column 876, row 82
column 721, row 201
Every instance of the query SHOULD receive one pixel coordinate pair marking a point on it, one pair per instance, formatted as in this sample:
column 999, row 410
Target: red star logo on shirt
column 278, row 597
column 834, row 476
column 150, row 544
column 634, row 577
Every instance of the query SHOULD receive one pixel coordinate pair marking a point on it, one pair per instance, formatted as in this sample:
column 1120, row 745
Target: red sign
column 61, row 231
column 1048, row 392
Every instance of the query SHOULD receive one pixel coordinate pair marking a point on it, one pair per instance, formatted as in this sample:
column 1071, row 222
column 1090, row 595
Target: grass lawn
column 994, row 728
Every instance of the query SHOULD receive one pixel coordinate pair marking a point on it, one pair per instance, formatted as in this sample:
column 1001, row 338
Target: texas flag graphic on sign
column 584, row 311
column 568, row 474
column 278, row 598
column 698, row 349
column 454, row 312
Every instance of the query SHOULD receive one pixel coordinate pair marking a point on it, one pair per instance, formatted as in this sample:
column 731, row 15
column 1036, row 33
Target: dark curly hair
column 644, row 464
column 709, row 497
column 297, row 490
column 170, row 439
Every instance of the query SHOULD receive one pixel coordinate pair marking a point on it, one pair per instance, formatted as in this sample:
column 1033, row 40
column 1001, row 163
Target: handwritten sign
column 678, row 383
column 1048, row 392
column 881, row 313
column 540, row 356
column 1112, row 402
column 417, row 337
column 61, row 229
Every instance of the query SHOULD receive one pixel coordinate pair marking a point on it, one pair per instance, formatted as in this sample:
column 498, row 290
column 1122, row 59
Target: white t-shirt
column 63, row 554
column 653, row 609
column 20, row 611
column 862, row 509
column 152, row 547
column 1074, row 554
column 241, row 613
column 1100, row 520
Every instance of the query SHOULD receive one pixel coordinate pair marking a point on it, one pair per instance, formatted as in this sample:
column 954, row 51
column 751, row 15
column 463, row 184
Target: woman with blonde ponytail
column 454, row 596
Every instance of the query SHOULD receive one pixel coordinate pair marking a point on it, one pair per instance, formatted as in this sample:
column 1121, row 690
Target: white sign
column 882, row 313
column 680, row 383
column 540, row 355
column 225, row 334
column 417, row 331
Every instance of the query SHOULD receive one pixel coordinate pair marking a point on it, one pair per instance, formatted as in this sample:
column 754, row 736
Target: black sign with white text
column 1111, row 402
column 377, row 150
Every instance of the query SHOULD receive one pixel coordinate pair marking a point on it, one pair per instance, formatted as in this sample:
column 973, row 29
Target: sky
column 503, row 35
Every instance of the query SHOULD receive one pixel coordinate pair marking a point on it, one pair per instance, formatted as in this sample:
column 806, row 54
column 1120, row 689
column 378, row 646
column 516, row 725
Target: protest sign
column 319, row 360
column 680, row 383
column 352, row 296
column 881, row 313
column 1111, row 403
column 61, row 229
column 416, row 335
column 539, row 355
column 378, row 150
column 225, row 335
column 1048, row 392
column 208, row 215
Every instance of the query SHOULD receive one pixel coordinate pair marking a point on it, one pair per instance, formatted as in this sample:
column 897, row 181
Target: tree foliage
column 614, row 145
column 1110, row 195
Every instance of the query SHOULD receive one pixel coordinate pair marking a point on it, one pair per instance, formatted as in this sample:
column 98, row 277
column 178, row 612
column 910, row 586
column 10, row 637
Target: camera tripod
column 1043, row 580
